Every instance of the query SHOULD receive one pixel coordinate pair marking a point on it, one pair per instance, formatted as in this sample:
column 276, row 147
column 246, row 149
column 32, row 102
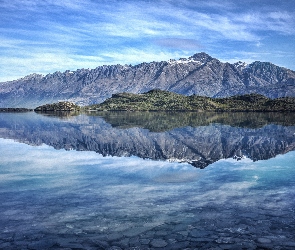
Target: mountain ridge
column 199, row 74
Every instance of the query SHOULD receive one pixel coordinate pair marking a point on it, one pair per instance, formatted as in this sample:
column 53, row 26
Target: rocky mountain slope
column 199, row 74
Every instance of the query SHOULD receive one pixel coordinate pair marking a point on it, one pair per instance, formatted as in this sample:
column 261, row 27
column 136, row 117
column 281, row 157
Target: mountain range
column 199, row 74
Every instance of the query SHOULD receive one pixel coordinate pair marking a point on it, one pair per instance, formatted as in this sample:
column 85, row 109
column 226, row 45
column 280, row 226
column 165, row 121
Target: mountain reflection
column 197, row 138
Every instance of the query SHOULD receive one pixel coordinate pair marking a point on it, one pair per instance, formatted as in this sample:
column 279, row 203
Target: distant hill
column 160, row 100
column 199, row 74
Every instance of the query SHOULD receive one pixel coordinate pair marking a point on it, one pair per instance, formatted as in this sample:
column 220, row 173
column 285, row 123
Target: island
column 59, row 106
column 15, row 110
column 160, row 100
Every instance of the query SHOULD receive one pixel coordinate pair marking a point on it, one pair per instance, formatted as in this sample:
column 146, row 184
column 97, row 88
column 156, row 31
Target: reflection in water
column 61, row 114
column 57, row 199
column 163, row 121
column 197, row 138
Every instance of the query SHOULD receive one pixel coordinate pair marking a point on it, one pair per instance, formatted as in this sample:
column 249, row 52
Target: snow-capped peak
column 241, row 65
column 184, row 61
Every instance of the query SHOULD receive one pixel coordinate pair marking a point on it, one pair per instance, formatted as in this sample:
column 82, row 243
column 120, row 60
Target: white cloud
column 178, row 43
column 131, row 55
column 45, row 62
column 40, row 6
column 110, row 32
column 281, row 22
column 260, row 55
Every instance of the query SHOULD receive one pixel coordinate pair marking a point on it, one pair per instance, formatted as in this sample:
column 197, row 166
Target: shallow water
column 68, row 199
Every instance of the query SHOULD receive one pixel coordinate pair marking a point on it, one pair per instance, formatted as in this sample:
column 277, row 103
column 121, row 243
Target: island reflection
column 197, row 138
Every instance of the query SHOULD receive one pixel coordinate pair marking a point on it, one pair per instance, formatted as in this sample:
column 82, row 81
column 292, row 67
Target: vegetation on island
column 15, row 110
column 159, row 100
column 59, row 106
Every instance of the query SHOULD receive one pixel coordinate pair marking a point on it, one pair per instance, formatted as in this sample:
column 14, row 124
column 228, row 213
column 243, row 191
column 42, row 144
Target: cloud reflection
column 80, row 194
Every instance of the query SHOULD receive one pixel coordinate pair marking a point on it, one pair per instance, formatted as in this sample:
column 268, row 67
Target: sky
column 58, row 35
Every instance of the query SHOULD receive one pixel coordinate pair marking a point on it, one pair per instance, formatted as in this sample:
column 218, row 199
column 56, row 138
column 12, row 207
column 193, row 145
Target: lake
column 147, row 180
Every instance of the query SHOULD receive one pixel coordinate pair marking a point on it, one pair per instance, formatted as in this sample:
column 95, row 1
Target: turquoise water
column 68, row 199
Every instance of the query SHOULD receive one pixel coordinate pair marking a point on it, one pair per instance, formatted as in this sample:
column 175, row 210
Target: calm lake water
column 147, row 181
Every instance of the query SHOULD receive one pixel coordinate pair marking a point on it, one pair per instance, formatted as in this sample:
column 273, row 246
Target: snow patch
column 241, row 65
column 184, row 61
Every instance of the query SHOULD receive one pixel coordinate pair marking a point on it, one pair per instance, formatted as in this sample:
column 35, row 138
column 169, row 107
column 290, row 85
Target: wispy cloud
column 179, row 43
column 129, row 55
column 282, row 22
column 108, row 30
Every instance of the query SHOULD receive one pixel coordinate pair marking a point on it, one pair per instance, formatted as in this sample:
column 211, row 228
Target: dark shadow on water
column 163, row 121
column 60, row 114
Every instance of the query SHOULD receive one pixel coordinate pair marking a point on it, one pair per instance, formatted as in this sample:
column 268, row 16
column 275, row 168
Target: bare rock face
column 199, row 74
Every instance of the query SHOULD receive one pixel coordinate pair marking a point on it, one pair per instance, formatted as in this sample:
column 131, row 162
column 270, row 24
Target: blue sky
column 56, row 35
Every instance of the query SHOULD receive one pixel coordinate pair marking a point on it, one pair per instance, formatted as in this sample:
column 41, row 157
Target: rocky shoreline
column 249, row 232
